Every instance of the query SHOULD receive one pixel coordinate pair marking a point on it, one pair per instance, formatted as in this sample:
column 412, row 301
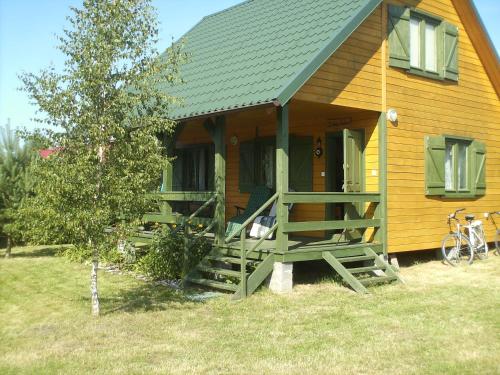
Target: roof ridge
column 227, row 9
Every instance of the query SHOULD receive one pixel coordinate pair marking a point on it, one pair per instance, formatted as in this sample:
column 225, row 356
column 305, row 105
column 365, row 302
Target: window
column 415, row 42
column 193, row 168
column 455, row 167
column 258, row 163
column 422, row 43
column 430, row 47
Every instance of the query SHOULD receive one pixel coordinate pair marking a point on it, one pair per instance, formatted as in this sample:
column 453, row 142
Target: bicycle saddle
column 469, row 217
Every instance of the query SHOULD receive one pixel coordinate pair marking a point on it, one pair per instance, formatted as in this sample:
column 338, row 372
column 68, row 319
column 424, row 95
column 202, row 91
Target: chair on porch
column 258, row 197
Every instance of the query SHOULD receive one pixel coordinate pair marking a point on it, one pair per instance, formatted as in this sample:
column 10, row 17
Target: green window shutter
column 177, row 171
column 434, row 165
column 301, row 163
column 478, row 166
column 399, row 36
column 247, row 167
column 450, row 50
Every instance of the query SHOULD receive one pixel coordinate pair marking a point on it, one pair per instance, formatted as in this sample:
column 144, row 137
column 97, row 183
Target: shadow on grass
column 37, row 252
column 146, row 297
column 314, row 272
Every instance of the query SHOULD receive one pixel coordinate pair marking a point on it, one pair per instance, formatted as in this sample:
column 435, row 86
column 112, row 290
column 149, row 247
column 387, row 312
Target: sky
column 28, row 30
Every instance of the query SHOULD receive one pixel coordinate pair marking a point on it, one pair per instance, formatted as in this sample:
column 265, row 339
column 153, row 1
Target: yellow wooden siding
column 352, row 76
column 470, row 108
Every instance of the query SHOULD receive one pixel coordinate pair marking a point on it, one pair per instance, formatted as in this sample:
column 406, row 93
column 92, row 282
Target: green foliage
column 15, row 181
column 108, row 108
column 165, row 258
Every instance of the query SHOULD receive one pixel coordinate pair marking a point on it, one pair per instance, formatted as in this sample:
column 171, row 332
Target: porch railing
column 332, row 198
column 165, row 214
column 242, row 232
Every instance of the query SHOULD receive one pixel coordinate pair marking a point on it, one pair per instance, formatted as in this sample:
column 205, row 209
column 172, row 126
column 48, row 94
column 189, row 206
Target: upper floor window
column 422, row 44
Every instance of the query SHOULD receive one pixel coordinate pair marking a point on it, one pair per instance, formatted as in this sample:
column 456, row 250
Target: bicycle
column 490, row 215
column 460, row 245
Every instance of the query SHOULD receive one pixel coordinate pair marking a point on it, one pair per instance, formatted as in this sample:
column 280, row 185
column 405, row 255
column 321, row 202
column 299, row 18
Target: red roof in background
column 49, row 151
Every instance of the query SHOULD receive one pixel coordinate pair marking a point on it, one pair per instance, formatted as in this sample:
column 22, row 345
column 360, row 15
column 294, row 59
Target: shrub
column 165, row 258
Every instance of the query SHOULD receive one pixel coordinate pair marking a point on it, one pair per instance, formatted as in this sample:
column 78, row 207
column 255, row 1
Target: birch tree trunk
column 93, row 282
column 9, row 247
column 95, row 253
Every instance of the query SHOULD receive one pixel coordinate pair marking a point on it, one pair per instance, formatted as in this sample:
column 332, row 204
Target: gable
column 467, row 108
column 352, row 76
column 463, row 14
column 480, row 40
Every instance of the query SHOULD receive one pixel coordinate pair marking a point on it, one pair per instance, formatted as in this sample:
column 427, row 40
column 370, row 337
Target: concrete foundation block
column 282, row 278
column 393, row 260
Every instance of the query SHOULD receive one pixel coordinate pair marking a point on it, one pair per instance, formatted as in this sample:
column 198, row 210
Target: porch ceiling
column 261, row 51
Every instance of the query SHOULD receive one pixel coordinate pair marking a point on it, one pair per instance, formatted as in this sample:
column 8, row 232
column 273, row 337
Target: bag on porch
column 261, row 226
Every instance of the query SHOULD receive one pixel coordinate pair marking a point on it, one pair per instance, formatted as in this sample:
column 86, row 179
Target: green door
column 353, row 160
column 354, row 147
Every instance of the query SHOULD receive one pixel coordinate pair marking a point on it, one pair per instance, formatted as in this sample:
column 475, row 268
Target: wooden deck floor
column 299, row 248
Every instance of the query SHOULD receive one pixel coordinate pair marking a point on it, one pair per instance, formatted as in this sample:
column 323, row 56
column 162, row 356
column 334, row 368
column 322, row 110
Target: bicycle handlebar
column 454, row 215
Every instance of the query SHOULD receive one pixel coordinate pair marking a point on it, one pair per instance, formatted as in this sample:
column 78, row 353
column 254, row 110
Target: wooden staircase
column 373, row 270
column 221, row 269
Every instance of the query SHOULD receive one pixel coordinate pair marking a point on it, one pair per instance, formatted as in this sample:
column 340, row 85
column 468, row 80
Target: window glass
column 197, row 166
column 430, row 47
column 462, row 166
column 448, row 167
column 415, row 42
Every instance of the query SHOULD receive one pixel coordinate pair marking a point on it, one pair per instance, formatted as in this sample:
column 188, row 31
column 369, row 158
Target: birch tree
column 108, row 105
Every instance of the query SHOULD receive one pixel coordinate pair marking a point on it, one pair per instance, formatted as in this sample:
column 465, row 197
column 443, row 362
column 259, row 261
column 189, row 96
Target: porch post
column 382, row 181
column 282, row 176
column 168, row 168
column 220, row 177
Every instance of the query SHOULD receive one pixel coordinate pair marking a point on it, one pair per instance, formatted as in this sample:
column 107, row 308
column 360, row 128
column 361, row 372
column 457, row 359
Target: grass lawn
column 444, row 320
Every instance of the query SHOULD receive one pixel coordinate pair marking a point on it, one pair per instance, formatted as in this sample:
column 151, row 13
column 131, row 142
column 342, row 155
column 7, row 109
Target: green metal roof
column 261, row 51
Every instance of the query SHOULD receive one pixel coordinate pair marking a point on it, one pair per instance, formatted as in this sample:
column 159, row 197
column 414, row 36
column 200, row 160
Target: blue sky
column 28, row 29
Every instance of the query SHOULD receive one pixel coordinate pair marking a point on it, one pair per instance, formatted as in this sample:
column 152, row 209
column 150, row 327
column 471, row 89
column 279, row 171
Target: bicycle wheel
column 457, row 249
column 480, row 250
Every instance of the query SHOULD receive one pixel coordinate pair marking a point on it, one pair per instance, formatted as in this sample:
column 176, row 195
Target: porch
column 332, row 220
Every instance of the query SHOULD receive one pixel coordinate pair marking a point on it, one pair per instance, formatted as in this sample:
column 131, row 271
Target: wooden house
column 374, row 119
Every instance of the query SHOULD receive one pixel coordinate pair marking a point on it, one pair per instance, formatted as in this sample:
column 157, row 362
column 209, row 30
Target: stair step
column 365, row 269
column 218, row 271
column 235, row 252
column 232, row 260
column 377, row 280
column 356, row 258
column 213, row 284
